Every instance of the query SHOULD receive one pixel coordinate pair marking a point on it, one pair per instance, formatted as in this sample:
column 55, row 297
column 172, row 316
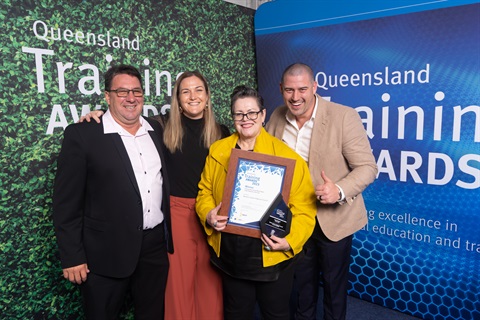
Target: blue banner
column 413, row 74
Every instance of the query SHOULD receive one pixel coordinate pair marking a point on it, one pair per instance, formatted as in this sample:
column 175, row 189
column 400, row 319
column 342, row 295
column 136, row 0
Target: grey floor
column 362, row 310
column 358, row 309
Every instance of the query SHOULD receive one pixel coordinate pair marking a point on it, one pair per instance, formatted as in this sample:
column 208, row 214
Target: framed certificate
column 254, row 181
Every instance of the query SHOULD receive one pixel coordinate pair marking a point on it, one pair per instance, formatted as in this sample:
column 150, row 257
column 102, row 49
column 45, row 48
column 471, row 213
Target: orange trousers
column 194, row 286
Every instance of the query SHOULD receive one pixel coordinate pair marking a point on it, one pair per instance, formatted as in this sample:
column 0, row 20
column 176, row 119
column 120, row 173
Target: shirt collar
column 112, row 126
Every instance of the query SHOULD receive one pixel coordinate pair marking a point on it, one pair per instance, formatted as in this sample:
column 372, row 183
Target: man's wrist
column 341, row 195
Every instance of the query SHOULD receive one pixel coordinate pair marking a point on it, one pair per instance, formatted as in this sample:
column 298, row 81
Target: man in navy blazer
column 111, row 206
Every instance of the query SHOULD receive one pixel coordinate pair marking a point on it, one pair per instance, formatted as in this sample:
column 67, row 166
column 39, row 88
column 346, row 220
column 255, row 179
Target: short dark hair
column 121, row 69
column 245, row 92
column 296, row 69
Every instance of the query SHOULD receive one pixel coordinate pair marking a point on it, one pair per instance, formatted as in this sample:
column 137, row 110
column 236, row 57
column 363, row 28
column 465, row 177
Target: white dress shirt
column 299, row 139
column 146, row 165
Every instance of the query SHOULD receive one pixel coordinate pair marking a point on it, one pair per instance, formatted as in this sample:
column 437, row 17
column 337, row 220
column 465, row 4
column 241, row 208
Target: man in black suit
column 111, row 206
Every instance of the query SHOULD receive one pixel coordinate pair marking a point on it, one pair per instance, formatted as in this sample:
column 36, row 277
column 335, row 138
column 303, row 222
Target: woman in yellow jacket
column 254, row 270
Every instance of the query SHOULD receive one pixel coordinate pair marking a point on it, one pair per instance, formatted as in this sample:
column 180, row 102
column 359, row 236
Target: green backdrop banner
column 53, row 56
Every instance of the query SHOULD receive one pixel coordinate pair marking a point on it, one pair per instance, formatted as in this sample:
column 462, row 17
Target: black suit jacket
column 97, row 207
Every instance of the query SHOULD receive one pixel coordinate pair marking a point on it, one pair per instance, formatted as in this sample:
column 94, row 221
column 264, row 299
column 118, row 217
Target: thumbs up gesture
column 327, row 193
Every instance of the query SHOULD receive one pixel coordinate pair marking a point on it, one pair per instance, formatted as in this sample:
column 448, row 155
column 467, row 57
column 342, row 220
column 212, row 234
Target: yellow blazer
column 301, row 203
column 340, row 147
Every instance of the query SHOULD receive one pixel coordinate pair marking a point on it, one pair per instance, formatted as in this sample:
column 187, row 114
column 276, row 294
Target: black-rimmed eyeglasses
column 251, row 115
column 122, row 93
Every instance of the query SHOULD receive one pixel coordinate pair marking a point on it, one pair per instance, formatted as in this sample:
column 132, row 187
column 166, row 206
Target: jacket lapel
column 319, row 128
column 122, row 152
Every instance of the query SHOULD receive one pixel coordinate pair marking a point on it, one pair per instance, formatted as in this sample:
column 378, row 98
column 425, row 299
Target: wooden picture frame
column 253, row 182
